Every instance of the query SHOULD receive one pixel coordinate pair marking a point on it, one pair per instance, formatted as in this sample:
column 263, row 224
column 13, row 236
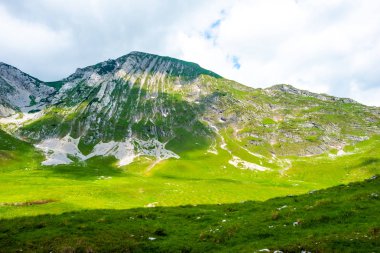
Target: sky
column 325, row 46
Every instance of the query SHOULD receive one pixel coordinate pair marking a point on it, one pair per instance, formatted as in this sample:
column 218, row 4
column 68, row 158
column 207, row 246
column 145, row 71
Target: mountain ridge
column 288, row 88
column 20, row 91
column 152, row 106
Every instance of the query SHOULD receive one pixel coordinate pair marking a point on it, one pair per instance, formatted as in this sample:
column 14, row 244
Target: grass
column 56, row 208
column 338, row 219
column 361, row 160
column 17, row 155
column 197, row 178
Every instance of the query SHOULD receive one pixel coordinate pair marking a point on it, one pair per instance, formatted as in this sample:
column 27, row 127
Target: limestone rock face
column 21, row 92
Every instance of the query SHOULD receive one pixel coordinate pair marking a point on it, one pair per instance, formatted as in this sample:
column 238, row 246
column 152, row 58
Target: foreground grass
column 339, row 219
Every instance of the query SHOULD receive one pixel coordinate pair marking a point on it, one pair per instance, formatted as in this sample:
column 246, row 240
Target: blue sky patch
column 235, row 62
column 216, row 24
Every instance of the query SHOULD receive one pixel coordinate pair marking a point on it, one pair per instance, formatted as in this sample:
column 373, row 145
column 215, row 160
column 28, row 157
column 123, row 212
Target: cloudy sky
column 329, row 46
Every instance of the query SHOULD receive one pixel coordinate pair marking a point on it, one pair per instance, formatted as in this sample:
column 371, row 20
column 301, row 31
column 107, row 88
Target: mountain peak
column 282, row 87
column 139, row 62
column 171, row 65
column 20, row 91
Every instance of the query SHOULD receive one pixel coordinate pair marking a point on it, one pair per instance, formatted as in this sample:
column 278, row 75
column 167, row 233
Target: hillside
column 147, row 130
column 147, row 105
column 339, row 219
column 151, row 153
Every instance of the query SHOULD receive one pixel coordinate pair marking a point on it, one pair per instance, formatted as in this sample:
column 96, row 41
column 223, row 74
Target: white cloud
column 368, row 96
column 25, row 43
column 329, row 46
column 321, row 46
column 50, row 39
column 29, row 37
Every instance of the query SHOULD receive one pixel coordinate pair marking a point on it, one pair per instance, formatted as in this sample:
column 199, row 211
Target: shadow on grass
column 91, row 169
column 236, row 227
column 225, row 180
column 368, row 161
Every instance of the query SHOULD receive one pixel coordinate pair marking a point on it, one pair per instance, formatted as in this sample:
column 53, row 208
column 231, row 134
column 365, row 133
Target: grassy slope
column 17, row 155
column 340, row 219
column 197, row 178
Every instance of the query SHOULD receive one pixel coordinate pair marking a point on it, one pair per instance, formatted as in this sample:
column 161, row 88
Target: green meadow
column 339, row 219
column 199, row 177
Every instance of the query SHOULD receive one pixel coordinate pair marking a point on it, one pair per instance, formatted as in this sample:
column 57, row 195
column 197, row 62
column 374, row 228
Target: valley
column 160, row 134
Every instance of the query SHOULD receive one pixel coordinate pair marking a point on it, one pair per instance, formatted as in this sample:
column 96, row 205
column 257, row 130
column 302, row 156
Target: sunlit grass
column 198, row 178
column 341, row 219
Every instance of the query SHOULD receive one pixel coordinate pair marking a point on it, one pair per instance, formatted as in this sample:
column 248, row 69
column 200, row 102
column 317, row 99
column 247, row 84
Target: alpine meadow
column 147, row 153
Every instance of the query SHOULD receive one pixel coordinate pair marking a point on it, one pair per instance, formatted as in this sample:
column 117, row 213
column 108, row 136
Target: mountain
column 21, row 92
column 144, row 105
column 156, row 132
